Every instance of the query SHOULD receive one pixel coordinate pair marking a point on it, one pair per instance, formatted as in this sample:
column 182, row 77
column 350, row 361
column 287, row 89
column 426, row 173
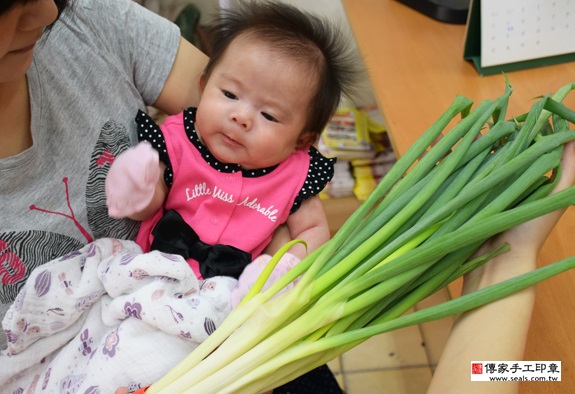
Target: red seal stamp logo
column 476, row 368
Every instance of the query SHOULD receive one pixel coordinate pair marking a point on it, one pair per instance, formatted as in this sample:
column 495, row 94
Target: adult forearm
column 496, row 331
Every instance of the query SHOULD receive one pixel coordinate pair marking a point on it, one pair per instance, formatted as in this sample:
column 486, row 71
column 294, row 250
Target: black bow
column 173, row 235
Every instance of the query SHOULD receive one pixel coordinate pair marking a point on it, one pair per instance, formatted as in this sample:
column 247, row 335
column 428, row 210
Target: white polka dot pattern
column 319, row 174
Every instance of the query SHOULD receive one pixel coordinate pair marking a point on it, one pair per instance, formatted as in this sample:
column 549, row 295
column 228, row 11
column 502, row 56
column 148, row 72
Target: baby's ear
column 306, row 139
column 202, row 82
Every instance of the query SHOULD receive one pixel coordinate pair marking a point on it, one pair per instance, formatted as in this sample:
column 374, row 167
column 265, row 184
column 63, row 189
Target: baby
column 242, row 163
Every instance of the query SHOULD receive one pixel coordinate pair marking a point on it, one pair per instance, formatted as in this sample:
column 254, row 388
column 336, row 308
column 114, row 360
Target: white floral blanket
column 107, row 316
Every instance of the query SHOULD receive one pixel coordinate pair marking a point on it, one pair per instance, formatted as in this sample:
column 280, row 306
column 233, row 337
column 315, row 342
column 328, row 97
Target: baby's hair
column 288, row 31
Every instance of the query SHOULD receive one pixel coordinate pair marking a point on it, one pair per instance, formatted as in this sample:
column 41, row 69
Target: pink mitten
column 131, row 181
column 251, row 273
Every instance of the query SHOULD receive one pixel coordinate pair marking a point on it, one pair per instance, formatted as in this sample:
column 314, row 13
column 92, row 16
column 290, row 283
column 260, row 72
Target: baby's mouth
column 229, row 140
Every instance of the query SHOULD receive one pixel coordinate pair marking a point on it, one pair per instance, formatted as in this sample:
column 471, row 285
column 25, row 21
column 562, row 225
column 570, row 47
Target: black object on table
column 448, row 11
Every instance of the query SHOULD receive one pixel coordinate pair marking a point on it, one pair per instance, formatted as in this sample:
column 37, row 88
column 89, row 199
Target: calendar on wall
column 506, row 35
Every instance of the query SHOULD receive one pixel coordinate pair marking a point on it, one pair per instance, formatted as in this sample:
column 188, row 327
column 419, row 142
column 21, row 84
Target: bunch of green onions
column 417, row 232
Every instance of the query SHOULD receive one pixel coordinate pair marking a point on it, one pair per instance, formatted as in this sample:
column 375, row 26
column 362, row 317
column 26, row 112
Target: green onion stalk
column 418, row 231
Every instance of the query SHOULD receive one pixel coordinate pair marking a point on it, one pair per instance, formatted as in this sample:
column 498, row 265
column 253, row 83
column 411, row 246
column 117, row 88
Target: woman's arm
column 182, row 86
column 308, row 223
column 498, row 331
column 180, row 91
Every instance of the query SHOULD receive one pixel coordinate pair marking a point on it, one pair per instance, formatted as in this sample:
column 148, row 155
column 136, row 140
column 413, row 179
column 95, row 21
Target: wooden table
column 416, row 67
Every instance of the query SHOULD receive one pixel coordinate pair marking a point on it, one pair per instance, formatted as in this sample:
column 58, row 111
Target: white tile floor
column 398, row 362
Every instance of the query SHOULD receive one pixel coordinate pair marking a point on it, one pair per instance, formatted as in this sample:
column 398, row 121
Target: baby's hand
column 132, row 180
column 253, row 270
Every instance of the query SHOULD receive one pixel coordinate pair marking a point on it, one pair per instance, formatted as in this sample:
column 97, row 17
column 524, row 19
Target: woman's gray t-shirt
column 102, row 62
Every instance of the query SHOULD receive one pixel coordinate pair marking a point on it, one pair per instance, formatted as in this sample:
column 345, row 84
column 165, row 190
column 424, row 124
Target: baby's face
column 254, row 106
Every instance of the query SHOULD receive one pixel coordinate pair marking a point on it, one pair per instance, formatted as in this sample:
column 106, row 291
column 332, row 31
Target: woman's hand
column 498, row 331
column 526, row 240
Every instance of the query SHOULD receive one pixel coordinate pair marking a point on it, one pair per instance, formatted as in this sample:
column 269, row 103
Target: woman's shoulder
column 110, row 22
column 106, row 45
column 114, row 7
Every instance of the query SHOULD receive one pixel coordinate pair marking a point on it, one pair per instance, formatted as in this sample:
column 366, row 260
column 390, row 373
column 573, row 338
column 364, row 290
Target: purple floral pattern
column 91, row 250
column 126, row 258
column 111, row 344
column 133, row 309
column 85, row 343
column 46, row 379
column 42, row 283
column 158, row 292
column 71, row 255
column 172, row 257
column 71, row 383
column 84, row 303
column 93, row 390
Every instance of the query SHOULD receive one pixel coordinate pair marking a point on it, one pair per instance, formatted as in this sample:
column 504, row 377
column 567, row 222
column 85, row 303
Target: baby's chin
column 223, row 158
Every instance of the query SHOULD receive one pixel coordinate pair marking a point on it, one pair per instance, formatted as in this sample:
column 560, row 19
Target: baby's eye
column 229, row 95
column 269, row 117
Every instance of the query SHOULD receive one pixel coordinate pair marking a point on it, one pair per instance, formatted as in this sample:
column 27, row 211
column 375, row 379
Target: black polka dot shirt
column 320, row 170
